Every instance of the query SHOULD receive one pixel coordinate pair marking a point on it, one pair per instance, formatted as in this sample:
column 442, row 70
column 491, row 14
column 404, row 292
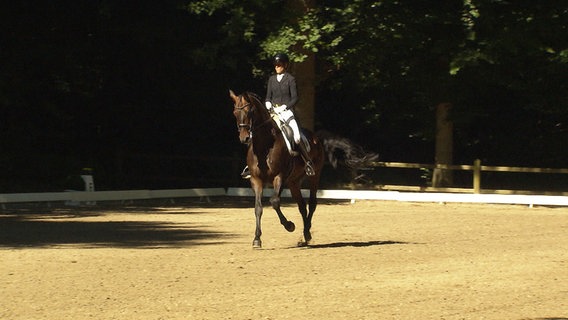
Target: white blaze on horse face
column 244, row 125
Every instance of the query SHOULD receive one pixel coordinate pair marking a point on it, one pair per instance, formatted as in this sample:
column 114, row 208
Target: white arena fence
column 90, row 198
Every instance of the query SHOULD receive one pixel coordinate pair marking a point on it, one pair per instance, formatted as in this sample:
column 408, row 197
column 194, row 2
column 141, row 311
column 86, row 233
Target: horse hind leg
column 313, row 202
column 306, row 217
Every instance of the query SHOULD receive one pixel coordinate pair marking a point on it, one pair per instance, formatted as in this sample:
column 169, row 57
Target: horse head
column 243, row 110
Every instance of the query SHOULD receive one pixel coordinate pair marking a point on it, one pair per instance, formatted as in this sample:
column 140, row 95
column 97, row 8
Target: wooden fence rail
column 477, row 168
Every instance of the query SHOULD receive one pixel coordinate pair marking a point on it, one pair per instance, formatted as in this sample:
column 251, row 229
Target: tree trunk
column 444, row 146
column 305, row 74
column 305, row 109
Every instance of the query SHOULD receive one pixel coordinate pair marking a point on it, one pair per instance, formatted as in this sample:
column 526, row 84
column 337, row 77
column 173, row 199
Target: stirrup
column 246, row 173
column 310, row 169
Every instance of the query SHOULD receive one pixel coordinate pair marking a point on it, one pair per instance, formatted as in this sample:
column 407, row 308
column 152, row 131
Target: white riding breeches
column 287, row 116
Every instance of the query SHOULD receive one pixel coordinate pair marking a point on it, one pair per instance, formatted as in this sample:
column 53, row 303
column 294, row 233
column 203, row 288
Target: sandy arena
column 368, row 260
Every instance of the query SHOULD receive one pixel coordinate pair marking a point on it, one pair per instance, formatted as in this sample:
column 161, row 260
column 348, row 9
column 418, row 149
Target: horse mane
column 255, row 99
column 252, row 98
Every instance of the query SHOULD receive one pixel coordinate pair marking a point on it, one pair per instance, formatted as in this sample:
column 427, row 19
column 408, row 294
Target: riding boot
column 306, row 156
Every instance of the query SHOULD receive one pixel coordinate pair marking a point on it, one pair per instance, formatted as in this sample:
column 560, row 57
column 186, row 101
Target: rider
column 281, row 97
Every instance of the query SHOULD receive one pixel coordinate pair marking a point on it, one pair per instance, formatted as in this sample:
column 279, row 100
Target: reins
column 251, row 126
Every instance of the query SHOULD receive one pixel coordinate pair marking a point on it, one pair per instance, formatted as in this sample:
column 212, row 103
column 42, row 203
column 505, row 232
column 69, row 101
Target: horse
column 270, row 162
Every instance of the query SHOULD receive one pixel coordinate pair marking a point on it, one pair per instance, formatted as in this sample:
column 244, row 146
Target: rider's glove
column 268, row 105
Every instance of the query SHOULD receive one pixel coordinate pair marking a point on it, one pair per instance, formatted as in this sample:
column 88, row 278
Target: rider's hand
column 268, row 105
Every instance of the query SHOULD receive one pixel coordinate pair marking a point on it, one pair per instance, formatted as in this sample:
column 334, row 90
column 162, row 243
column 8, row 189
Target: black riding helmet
column 281, row 58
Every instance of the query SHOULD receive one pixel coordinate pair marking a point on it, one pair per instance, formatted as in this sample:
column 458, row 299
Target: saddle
column 288, row 135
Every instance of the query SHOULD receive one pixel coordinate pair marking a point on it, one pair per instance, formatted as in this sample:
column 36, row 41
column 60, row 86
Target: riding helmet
column 281, row 58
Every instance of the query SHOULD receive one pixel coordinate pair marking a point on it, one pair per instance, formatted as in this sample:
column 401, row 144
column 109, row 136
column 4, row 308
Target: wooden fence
column 477, row 168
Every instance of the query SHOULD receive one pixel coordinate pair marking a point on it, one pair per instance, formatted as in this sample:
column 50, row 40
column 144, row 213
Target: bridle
column 248, row 126
column 244, row 114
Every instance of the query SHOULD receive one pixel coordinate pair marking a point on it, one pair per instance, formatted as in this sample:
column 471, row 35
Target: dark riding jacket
column 283, row 92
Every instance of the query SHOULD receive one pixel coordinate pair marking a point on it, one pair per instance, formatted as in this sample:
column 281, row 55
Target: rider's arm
column 293, row 93
column 268, row 99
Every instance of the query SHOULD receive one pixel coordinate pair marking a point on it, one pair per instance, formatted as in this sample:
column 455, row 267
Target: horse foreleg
column 275, row 202
column 256, row 243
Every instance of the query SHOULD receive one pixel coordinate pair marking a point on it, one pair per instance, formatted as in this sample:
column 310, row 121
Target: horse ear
column 232, row 95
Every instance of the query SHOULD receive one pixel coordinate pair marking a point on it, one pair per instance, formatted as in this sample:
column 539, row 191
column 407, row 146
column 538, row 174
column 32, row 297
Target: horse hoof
column 256, row 244
column 290, row 226
column 302, row 244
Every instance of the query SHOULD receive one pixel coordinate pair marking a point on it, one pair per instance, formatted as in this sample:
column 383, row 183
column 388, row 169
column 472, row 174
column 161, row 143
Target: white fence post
column 87, row 176
column 477, row 176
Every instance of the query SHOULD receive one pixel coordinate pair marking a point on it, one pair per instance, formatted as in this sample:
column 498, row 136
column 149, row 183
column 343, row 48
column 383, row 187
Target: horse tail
column 340, row 149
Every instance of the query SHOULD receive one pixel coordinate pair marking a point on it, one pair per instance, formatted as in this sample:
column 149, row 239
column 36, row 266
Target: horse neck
column 263, row 126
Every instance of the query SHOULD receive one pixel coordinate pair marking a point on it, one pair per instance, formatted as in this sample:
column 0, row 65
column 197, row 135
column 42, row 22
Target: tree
column 511, row 75
column 394, row 61
column 82, row 89
column 384, row 66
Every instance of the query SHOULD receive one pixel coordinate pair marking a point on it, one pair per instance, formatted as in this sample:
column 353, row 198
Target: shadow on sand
column 57, row 227
column 353, row 244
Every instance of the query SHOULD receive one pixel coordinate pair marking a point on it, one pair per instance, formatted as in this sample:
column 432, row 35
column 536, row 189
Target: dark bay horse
column 270, row 162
